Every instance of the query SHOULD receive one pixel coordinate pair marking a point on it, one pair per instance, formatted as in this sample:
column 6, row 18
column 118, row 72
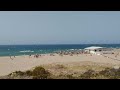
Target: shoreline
column 20, row 54
column 26, row 62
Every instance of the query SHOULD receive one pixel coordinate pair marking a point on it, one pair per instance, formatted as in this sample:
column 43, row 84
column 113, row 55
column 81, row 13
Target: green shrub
column 40, row 73
column 28, row 73
column 20, row 73
column 88, row 74
column 58, row 66
column 70, row 76
column 17, row 73
column 110, row 73
column 41, row 76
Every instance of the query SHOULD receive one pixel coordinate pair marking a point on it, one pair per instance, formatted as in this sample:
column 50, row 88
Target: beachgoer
column 11, row 58
column 29, row 55
column 35, row 56
column 40, row 55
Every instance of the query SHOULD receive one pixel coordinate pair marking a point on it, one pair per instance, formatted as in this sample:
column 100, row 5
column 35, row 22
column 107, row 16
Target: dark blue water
column 6, row 50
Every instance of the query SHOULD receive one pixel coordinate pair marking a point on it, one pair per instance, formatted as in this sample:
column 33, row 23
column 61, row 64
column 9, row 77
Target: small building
column 94, row 48
column 98, row 50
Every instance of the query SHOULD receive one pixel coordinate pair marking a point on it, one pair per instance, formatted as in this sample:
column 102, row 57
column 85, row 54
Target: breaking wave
column 27, row 51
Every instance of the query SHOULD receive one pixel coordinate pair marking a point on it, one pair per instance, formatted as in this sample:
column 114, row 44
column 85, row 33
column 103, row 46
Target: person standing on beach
column 11, row 58
column 29, row 55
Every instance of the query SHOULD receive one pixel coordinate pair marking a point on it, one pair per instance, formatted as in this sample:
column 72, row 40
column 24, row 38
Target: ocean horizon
column 16, row 50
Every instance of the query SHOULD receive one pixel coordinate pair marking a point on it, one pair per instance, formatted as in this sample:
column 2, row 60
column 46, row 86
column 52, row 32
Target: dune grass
column 59, row 71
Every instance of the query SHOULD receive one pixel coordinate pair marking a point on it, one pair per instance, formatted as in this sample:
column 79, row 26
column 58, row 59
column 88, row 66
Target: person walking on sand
column 11, row 58
column 29, row 55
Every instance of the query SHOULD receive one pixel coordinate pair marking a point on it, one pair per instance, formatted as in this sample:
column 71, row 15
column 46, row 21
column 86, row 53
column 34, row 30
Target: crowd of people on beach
column 62, row 53
column 71, row 53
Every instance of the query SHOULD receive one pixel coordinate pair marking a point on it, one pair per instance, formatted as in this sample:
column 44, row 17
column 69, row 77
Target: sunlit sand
column 23, row 63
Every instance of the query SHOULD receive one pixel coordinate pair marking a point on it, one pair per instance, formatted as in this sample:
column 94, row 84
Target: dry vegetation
column 68, row 71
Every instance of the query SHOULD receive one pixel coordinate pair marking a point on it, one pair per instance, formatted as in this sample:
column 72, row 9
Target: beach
column 59, row 45
column 24, row 62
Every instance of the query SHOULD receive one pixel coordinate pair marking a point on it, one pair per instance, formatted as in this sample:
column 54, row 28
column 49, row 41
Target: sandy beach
column 23, row 63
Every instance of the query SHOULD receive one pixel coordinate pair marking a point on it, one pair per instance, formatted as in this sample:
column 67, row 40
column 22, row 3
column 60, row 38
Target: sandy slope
column 24, row 62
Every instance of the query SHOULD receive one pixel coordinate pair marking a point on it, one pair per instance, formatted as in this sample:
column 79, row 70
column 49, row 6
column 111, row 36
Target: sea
column 16, row 50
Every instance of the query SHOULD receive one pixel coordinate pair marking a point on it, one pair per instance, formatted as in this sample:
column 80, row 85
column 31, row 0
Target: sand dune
column 23, row 63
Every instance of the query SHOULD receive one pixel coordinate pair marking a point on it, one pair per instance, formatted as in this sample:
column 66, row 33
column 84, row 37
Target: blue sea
column 11, row 50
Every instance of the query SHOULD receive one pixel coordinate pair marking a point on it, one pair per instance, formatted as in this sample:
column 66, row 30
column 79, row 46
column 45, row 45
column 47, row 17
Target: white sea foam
column 71, row 49
column 27, row 51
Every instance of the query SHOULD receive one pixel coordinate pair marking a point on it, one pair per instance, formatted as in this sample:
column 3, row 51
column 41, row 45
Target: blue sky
column 59, row 27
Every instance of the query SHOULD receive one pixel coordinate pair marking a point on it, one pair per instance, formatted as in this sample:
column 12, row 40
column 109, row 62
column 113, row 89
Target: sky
column 59, row 27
